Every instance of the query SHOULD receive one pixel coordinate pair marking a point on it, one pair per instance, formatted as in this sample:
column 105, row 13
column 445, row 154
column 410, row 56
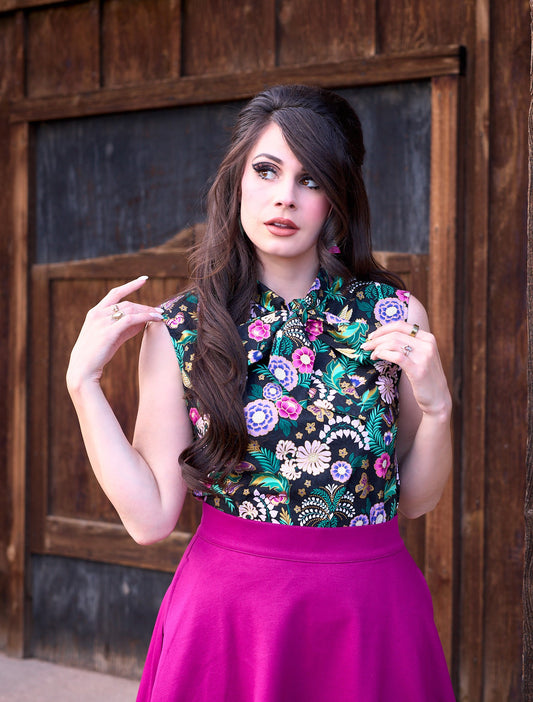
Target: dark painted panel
column 119, row 183
column 94, row 615
column 396, row 123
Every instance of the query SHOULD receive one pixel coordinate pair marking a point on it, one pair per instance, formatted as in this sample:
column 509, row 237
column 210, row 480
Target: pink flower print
column 194, row 415
column 258, row 330
column 382, row 465
column 303, row 359
column 403, row 295
column 174, row 322
column 288, row 407
column 314, row 328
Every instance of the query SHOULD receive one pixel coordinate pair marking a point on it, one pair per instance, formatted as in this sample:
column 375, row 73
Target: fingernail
column 159, row 309
column 142, row 277
column 154, row 315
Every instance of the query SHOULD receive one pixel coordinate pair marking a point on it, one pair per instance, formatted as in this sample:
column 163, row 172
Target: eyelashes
column 267, row 171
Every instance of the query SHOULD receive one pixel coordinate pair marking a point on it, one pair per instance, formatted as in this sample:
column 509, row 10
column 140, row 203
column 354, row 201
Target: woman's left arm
column 424, row 445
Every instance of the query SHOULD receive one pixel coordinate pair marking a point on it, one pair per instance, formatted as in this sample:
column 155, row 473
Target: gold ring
column 414, row 330
column 117, row 313
column 407, row 349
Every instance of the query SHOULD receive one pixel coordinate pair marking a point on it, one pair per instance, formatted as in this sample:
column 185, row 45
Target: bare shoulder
column 416, row 313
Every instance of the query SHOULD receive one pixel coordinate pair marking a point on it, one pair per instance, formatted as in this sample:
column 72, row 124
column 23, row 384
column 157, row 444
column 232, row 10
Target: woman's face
column 282, row 207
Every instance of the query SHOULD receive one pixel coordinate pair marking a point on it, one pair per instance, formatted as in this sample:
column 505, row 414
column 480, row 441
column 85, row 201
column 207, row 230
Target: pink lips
column 281, row 226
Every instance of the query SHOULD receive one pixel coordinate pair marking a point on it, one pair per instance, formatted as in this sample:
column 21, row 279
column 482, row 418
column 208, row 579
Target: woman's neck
column 288, row 280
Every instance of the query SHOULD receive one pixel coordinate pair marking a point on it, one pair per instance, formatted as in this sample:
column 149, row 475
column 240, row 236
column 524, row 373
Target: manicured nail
column 154, row 315
column 142, row 277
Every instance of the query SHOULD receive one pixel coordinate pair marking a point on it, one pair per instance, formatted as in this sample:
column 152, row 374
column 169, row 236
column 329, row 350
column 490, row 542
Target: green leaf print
column 273, row 482
column 368, row 399
column 267, row 460
column 390, row 489
column 335, row 370
column 377, row 444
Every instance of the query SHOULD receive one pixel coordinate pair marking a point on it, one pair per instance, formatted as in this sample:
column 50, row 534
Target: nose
column 285, row 194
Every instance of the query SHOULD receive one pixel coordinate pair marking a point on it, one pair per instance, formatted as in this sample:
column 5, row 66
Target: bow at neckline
column 323, row 316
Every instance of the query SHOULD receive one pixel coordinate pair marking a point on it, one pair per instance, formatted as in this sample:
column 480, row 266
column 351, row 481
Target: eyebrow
column 273, row 158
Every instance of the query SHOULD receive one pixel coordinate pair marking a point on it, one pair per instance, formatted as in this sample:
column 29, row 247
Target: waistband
column 281, row 541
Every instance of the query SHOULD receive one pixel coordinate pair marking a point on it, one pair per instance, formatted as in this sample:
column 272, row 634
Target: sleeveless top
column 321, row 415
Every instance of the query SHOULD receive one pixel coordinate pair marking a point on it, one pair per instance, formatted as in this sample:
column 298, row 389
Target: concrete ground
column 31, row 680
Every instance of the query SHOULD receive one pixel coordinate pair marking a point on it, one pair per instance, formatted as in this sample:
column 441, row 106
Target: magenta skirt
column 271, row 613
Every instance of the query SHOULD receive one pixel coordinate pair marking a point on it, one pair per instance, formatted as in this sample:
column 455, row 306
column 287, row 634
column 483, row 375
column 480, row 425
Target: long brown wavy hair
column 325, row 135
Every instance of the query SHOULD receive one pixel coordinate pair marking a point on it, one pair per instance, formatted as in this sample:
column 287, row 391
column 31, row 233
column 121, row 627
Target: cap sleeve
column 180, row 316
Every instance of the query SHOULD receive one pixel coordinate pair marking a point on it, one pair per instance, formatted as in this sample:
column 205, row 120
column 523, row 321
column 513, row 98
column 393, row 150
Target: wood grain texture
column 11, row 57
column 474, row 271
column 441, row 307
column 11, row 87
column 202, row 89
column 411, row 24
column 316, row 32
column 506, row 351
column 225, row 37
column 527, row 659
column 140, row 41
column 18, row 619
column 62, row 55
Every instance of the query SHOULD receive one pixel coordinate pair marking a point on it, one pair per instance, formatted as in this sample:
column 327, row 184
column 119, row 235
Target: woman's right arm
column 142, row 480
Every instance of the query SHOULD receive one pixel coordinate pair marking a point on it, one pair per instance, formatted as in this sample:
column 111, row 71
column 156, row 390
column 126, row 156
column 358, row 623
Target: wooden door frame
column 527, row 658
column 442, row 66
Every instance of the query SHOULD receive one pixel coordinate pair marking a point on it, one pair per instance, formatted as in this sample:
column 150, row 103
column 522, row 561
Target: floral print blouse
column 321, row 415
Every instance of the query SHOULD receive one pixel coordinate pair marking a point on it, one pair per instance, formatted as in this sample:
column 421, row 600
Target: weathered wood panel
column 94, row 615
column 17, row 382
column 119, row 183
column 11, row 87
column 527, row 660
column 225, row 37
column 506, row 353
column 140, row 41
column 11, row 55
column 474, row 232
column 410, row 24
column 439, row 565
column 315, row 32
column 374, row 70
column 62, row 50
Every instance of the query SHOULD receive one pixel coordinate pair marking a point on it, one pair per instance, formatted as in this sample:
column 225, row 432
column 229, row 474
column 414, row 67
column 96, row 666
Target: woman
column 291, row 387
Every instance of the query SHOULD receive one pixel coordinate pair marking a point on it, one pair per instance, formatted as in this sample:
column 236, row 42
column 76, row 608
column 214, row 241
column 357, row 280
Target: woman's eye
column 264, row 170
column 310, row 183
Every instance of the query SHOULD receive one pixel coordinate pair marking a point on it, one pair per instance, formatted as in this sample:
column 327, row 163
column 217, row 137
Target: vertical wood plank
column 527, row 657
column 412, row 24
column 11, row 88
column 38, row 411
column 506, row 350
column 63, row 50
column 221, row 36
column 140, row 41
column 17, row 439
column 11, row 56
column 312, row 32
column 441, row 296
column 474, row 281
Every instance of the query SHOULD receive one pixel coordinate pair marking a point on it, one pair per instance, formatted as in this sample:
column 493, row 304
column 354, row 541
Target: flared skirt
column 262, row 612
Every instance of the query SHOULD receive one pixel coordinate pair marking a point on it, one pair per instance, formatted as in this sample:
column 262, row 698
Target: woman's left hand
column 412, row 347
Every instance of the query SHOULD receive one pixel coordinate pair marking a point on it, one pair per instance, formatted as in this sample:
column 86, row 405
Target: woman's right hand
column 107, row 326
